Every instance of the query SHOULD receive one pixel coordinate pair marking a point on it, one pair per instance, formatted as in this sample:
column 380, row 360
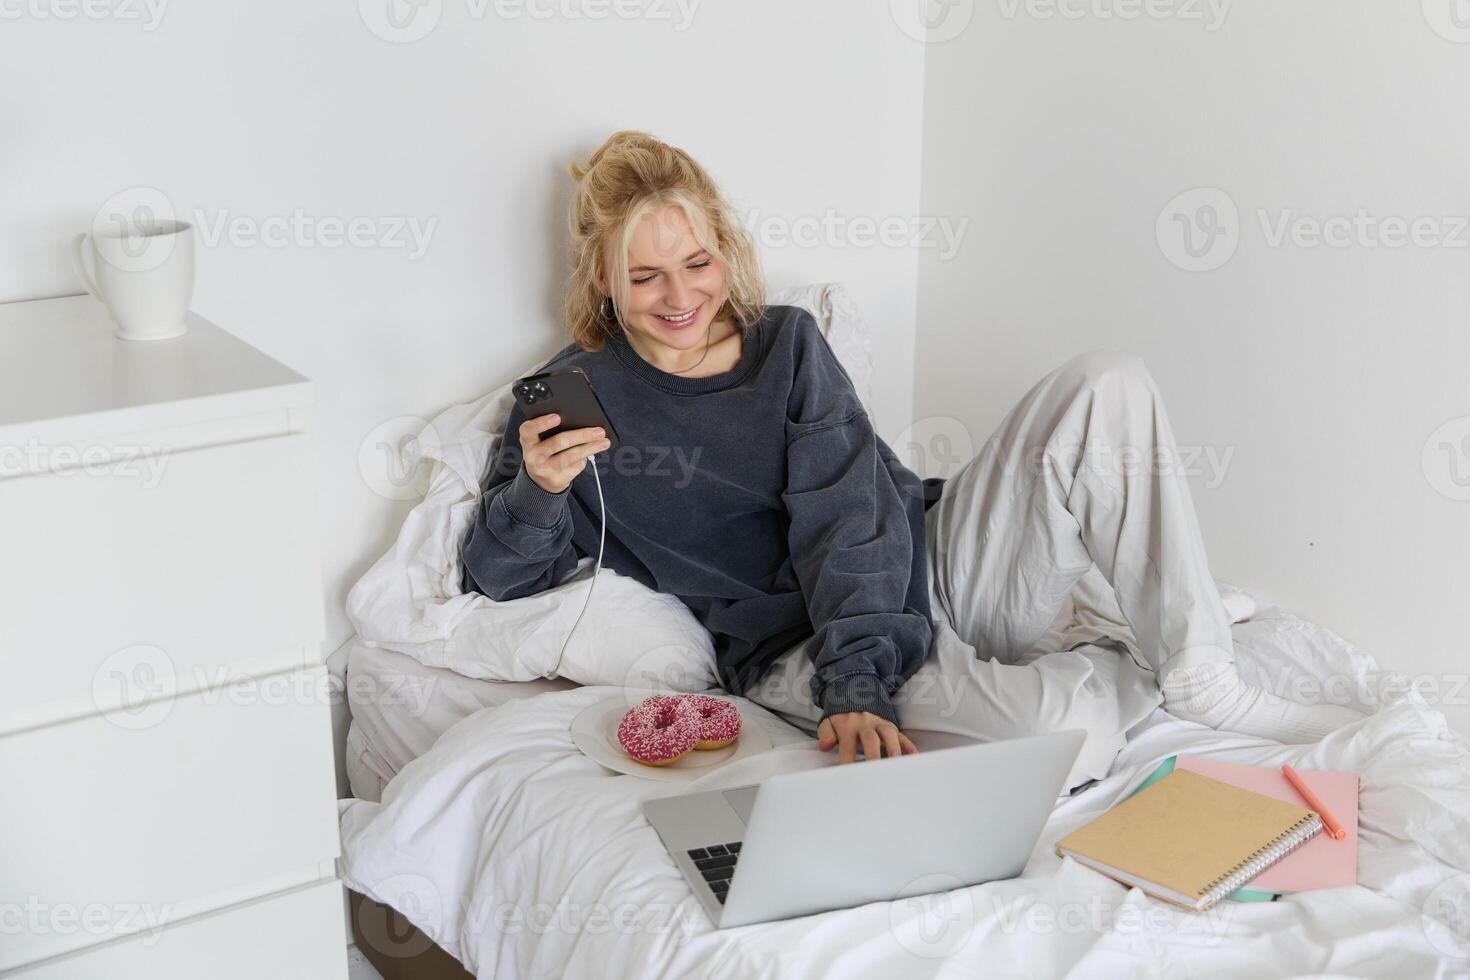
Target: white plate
column 595, row 731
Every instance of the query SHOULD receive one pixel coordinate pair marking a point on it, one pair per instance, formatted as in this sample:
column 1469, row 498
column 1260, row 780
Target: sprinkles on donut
column 661, row 729
column 719, row 721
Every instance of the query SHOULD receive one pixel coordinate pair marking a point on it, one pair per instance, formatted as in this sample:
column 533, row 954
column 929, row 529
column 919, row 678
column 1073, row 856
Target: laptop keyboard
column 717, row 864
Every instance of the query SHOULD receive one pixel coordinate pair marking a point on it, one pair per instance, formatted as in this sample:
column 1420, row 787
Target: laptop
column 846, row 835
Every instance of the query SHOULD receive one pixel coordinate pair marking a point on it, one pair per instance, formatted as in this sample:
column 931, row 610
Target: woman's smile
column 679, row 321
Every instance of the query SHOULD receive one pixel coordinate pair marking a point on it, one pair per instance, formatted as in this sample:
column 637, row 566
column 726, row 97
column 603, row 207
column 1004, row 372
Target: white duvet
column 524, row 858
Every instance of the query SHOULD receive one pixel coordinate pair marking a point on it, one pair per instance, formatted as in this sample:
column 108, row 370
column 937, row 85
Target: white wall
column 257, row 111
column 1053, row 143
column 1325, row 369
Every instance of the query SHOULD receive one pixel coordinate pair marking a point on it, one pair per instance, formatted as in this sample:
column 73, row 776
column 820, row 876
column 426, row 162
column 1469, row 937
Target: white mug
column 143, row 272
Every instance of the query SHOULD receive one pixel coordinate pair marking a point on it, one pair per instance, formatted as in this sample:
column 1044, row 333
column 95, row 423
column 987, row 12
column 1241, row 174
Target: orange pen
column 1334, row 829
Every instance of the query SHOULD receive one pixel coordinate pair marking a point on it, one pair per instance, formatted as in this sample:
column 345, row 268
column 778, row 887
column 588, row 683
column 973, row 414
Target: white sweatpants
column 1083, row 470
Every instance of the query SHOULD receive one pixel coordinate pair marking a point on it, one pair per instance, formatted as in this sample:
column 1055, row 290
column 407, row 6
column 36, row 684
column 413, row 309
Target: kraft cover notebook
column 1321, row 862
column 1189, row 839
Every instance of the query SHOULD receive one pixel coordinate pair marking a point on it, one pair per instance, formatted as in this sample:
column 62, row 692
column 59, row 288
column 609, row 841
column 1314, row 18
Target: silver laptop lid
column 864, row 832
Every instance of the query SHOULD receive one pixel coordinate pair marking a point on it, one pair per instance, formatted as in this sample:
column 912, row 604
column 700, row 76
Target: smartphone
column 568, row 394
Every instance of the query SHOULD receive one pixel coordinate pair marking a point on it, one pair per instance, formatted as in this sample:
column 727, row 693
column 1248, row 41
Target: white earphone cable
column 601, row 540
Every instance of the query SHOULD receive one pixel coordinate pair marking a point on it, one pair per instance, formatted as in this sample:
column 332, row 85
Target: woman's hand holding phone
column 555, row 462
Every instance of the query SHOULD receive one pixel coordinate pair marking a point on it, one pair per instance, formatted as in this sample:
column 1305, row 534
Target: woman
column 750, row 484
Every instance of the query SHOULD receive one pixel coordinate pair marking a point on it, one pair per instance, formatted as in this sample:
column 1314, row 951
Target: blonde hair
column 630, row 176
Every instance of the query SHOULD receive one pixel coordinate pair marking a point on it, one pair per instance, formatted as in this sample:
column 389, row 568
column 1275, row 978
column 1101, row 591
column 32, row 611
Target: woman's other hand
column 853, row 728
column 555, row 462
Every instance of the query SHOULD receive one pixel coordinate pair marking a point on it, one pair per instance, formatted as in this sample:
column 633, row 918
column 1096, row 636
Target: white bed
column 523, row 858
column 400, row 707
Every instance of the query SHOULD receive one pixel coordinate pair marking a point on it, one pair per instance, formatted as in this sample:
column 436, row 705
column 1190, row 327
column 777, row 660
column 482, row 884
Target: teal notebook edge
column 1240, row 894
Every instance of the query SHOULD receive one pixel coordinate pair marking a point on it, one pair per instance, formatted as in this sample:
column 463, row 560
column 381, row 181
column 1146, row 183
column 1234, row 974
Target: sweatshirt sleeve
column 850, row 539
column 520, row 542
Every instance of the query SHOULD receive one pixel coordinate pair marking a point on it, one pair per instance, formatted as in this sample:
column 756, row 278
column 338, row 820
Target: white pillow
column 842, row 324
column 630, row 636
column 411, row 599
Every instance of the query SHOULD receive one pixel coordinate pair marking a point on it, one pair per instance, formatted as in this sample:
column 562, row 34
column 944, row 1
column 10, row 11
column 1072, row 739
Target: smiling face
column 675, row 290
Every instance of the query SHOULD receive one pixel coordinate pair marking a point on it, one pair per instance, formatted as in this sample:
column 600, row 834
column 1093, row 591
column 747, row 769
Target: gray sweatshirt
column 760, row 497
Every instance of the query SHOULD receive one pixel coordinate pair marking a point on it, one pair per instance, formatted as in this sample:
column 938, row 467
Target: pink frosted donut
column 660, row 730
column 719, row 721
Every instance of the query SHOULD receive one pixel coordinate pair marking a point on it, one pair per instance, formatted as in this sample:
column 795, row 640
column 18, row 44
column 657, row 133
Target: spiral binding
column 1298, row 834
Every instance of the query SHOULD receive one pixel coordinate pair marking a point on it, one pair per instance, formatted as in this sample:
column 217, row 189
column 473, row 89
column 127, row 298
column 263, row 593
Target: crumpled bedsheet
column 524, row 858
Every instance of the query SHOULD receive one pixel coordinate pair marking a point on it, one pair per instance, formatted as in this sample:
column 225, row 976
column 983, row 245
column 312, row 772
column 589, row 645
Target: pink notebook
column 1319, row 863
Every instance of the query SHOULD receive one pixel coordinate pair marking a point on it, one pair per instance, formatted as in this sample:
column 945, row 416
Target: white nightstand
column 165, row 747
